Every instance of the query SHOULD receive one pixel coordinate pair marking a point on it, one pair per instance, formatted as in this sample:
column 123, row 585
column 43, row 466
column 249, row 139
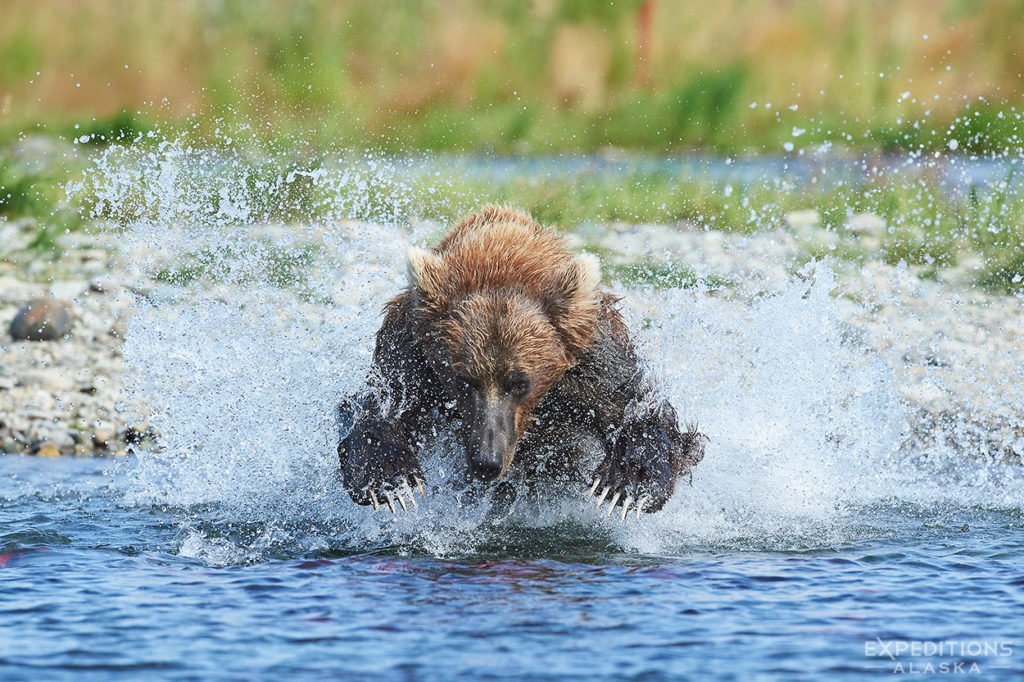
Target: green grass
column 36, row 190
column 926, row 224
column 659, row 275
column 261, row 261
column 24, row 191
column 123, row 126
column 631, row 197
column 1004, row 273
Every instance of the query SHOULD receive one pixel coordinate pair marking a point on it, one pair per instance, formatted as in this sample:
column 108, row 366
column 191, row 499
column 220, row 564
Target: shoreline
column 951, row 348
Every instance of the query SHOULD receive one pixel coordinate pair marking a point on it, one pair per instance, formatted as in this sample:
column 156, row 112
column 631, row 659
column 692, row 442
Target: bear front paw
column 641, row 472
column 379, row 468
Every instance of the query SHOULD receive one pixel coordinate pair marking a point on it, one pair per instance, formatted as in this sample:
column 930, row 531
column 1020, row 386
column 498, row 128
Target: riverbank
column 925, row 253
column 64, row 396
column 954, row 350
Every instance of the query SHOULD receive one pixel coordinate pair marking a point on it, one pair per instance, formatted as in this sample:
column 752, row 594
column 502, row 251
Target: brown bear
column 505, row 332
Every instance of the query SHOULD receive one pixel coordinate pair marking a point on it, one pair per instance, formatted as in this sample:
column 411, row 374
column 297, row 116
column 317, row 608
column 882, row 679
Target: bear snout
column 485, row 465
column 490, row 438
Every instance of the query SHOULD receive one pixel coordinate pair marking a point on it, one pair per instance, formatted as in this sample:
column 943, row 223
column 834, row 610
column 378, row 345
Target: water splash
column 269, row 279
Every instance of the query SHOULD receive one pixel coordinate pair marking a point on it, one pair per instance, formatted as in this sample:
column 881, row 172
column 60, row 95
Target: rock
column 14, row 423
column 118, row 328
column 87, row 387
column 803, row 220
column 102, row 284
column 140, row 286
column 12, row 239
column 574, row 241
column 54, row 434
column 869, row 228
column 52, row 380
column 13, row 290
column 101, row 439
column 48, row 450
column 37, row 413
column 137, row 433
column 68, row 289
column 42, row 319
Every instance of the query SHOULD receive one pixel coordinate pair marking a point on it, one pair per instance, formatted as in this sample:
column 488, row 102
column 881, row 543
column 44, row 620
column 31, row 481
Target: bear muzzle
column 490, row 436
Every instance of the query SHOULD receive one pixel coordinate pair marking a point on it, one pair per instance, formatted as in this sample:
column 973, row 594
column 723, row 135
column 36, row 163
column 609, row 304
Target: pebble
column 69, row 289
column 101, row 439
column 45, row 379
column 62, row 396
column 14, row 290
column 48, row 450
column 12, row 238
column 863, row 224
column 869, row 227
column 803, row 220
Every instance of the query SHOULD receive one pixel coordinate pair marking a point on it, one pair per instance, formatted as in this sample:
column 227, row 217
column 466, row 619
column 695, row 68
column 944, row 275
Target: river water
column 98, row 588
column 815, row 542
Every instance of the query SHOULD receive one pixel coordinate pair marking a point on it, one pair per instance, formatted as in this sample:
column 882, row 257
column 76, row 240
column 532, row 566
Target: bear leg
column 650, row 453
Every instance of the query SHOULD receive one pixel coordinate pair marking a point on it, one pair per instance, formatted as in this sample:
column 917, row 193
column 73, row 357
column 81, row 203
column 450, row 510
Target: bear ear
column 574, row 302
column 587, row 271
column 425, row 268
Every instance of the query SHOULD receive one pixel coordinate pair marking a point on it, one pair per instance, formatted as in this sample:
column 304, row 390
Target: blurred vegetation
column 513, row 76
column 913, row 216
column 27, row 191
column 892, row 212
column 35, row 189
column 658, row 275
column 261, row 261
column 541, row 78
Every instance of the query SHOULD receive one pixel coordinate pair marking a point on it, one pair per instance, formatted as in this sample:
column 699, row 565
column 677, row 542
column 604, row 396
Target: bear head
column 503, row 310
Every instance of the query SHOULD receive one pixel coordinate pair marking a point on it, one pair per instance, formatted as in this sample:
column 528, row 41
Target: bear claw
column 637, row 504
column 615, row 501
column 640, row 506
column 399, row 494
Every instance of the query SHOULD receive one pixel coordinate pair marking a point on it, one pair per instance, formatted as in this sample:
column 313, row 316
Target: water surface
column 94, row 588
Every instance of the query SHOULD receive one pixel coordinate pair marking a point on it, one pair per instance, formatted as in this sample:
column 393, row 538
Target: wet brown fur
column 499, row 250
column 501, row 294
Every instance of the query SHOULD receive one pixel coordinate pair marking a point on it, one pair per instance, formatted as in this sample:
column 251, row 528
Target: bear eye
column 466, row 382
column 518, row 385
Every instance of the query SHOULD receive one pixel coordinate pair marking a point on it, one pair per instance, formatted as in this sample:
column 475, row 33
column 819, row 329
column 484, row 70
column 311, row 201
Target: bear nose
column 485, row 466
column 486, row 460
